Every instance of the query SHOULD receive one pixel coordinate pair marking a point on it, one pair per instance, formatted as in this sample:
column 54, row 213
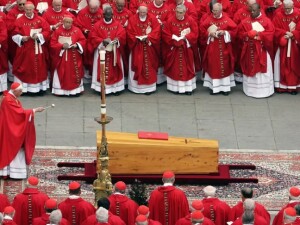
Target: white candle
column 102, row 54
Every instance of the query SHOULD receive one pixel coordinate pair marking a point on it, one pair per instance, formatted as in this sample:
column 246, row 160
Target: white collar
column 168, row 184
column 143, row 19
column 107, row 22
column 158, row 6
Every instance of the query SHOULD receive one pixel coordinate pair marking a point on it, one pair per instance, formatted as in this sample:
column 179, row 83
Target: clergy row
column 168, row 205
column 148, row 48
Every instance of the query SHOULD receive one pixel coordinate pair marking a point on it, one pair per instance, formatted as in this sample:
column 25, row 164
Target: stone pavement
column 237, row 121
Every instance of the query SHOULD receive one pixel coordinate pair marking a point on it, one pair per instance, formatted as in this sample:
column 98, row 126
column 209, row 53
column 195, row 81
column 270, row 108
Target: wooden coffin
column 130, row 155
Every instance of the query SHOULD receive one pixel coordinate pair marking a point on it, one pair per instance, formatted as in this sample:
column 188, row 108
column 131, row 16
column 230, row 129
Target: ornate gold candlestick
column 102, row 185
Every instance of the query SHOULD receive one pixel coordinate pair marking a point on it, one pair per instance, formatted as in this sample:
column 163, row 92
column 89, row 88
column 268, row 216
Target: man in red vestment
column 144, row 210
column 249, row 216
column 8, row 215
column 256, row 56
column 30, row 63
column 86, row 19
column 75, row 209
column 238, row 210
column 108, row 33
column 214, row 209
column 196, row 206
column 17, row 134
column 55, row 14
column 3, row 56
column 167, row 203
column 112, row 219
column 205, row 7
column 122, row 14
column 135, row 4
column 290, row 217
column 179, row 34
column 218, row 61
column 30, row 203
column 3, row 202
column 286, row 67
column 294, row 193
column 121, row 205
column 66, row 48
column 143, row 36
column 50, row 206
column 237, row 5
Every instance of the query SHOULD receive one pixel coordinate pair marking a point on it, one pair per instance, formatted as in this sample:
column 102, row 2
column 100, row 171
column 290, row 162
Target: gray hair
column 55, row 216
column 248, row 215
column 288, row 2
column 102, row 215
column 181, row 6
column 94, row 3
column 209, row 191
column 219, row 5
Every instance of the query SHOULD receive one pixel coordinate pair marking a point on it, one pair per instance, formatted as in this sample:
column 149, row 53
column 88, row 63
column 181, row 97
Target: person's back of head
column 294, row 193
column 196, row 205
column 50, row 205
column 74, row 188
column 297, row 208
column 32, row 182
column 9, row 211
column 289, row 215
column 102, row 215
column 141, row 220
column 197, row 217
column 103, row 202
column 248, row 215
column 168, row 177
column 247, row 193
column 120, row 187
column 143, row 210
column 55, row 217
column 209, row 191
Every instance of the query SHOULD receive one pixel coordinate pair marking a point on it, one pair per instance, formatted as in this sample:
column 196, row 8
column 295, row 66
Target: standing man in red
column 30, row 203
column 66, row 48
column 167, row 203
column 17, row 134
column 286, row 67
column 30, row 63
column 180, row 33
column 121, row 205
column 218, row 61
column 108, row 33
column 75, row 209
column 144, row 210
column 143, row 36
column 294, row 200
column 50, row 206
column 3, row 56
column 238, row 210
column 257, row 34
column 214, row 209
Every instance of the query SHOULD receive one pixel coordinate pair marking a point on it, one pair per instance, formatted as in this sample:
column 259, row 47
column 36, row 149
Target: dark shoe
column 225, row 93
column 294, row 92
column 212, row 93
column 188, row 93
column 116, row 93
column 148, row 93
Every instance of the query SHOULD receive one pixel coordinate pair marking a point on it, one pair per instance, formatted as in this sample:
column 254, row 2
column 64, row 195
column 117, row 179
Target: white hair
column 249, row 204
column 55, row 216
column 288, row 2
column 181, row 6
column 209, row 191
column 102, row 215
column 94, row 3
column 219, row 5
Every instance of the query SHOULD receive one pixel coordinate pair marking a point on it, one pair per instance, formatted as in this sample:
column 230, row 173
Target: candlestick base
column 100, row 120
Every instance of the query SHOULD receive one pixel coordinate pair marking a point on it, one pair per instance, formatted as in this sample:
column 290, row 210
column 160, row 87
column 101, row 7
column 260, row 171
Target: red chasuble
column 254, row 51
column 123, row 16
column 101, row 31
column 28, row 205
column 170, row 198
column 112, row 220
column 179, row 63
column 8, row 222
column 238, row 210
column 16, row 130
column 161, row 13
column 69, row 65
column 242, row 4
column 190, row 9
column 278, row 219
column 216, row 210
column 76, row 210
column 134, row 5
column 53, row 17
column 144, row 55
column 123, row 207
column 187, row 221
column 289, row 66
column 30, row 63
column 4, row 48
column 218, row 60
column 204, row 6
column 3, row 202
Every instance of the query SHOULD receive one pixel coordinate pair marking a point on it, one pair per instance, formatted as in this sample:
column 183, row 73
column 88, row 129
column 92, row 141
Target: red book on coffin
column 153, row 135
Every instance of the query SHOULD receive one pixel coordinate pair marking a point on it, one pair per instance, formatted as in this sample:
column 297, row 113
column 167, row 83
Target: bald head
column 120, row 4
column 143, row 10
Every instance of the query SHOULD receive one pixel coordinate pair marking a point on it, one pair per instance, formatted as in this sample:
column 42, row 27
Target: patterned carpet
column 276, row 172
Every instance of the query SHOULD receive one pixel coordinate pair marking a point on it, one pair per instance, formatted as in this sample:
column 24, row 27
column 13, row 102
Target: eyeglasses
column 20, row 4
